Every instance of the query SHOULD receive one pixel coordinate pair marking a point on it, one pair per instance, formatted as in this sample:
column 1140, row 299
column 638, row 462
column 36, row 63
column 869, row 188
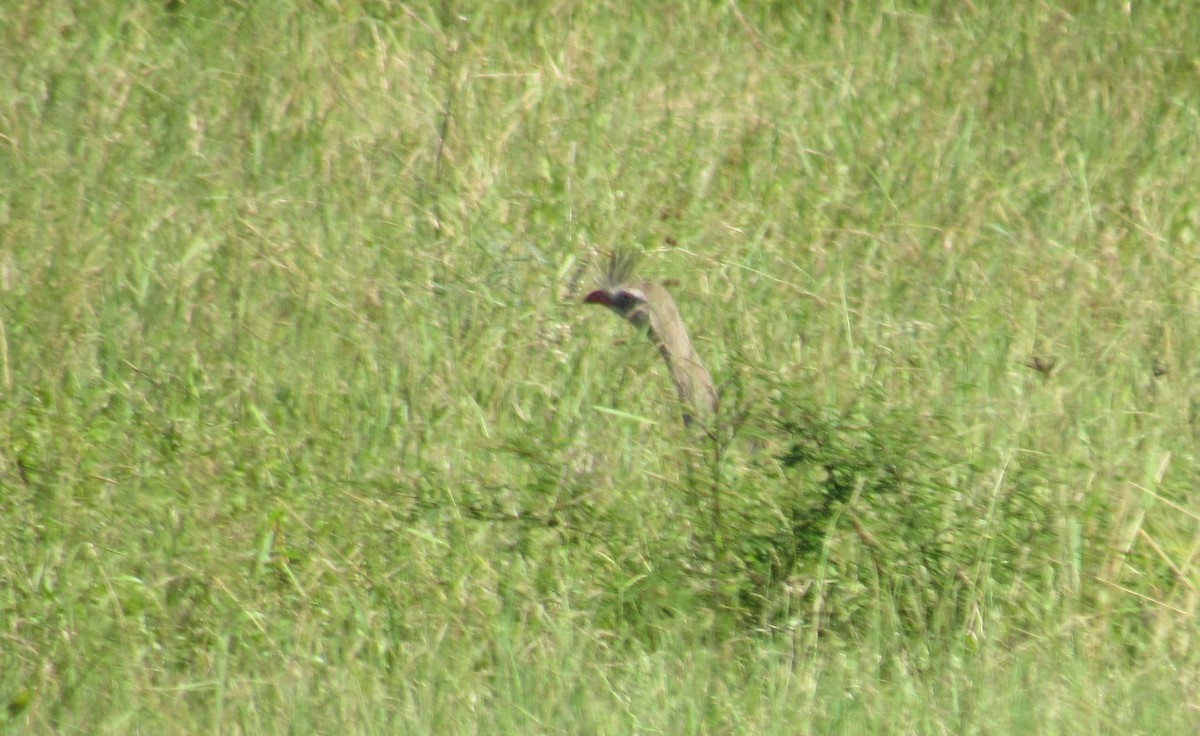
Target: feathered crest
column 621, row 265
column 616, row 272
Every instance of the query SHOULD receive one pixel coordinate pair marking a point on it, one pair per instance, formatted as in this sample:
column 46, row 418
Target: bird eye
column 626, row 300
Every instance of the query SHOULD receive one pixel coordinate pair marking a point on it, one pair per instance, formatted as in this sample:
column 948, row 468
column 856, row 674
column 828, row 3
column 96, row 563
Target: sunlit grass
column 302, row 430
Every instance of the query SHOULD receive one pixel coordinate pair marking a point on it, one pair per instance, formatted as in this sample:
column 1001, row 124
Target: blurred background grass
column 301, row 428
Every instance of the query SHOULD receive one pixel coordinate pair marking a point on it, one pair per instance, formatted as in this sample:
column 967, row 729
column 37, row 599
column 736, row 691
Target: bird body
column 649, row 306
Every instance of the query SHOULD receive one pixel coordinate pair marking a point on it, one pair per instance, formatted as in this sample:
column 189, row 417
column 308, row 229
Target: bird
column 649, row 307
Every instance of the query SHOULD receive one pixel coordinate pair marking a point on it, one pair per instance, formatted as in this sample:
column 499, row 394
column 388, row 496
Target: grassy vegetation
column 302, row 431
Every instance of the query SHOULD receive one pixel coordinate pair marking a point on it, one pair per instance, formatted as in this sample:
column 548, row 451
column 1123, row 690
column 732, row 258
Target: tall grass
column 301, row 429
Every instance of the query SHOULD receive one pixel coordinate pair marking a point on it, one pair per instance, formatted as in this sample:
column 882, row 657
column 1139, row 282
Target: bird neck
column 667, row 330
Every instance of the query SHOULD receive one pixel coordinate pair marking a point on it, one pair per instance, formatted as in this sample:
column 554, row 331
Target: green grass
column 302, row 430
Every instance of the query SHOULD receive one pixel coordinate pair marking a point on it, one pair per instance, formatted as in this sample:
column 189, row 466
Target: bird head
column 619, row 293
column 627, row 302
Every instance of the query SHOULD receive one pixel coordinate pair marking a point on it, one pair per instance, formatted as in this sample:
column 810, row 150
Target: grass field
column 304, row 429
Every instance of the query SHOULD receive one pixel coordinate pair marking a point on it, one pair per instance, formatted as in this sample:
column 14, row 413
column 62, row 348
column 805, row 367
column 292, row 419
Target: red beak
column 599, row 296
